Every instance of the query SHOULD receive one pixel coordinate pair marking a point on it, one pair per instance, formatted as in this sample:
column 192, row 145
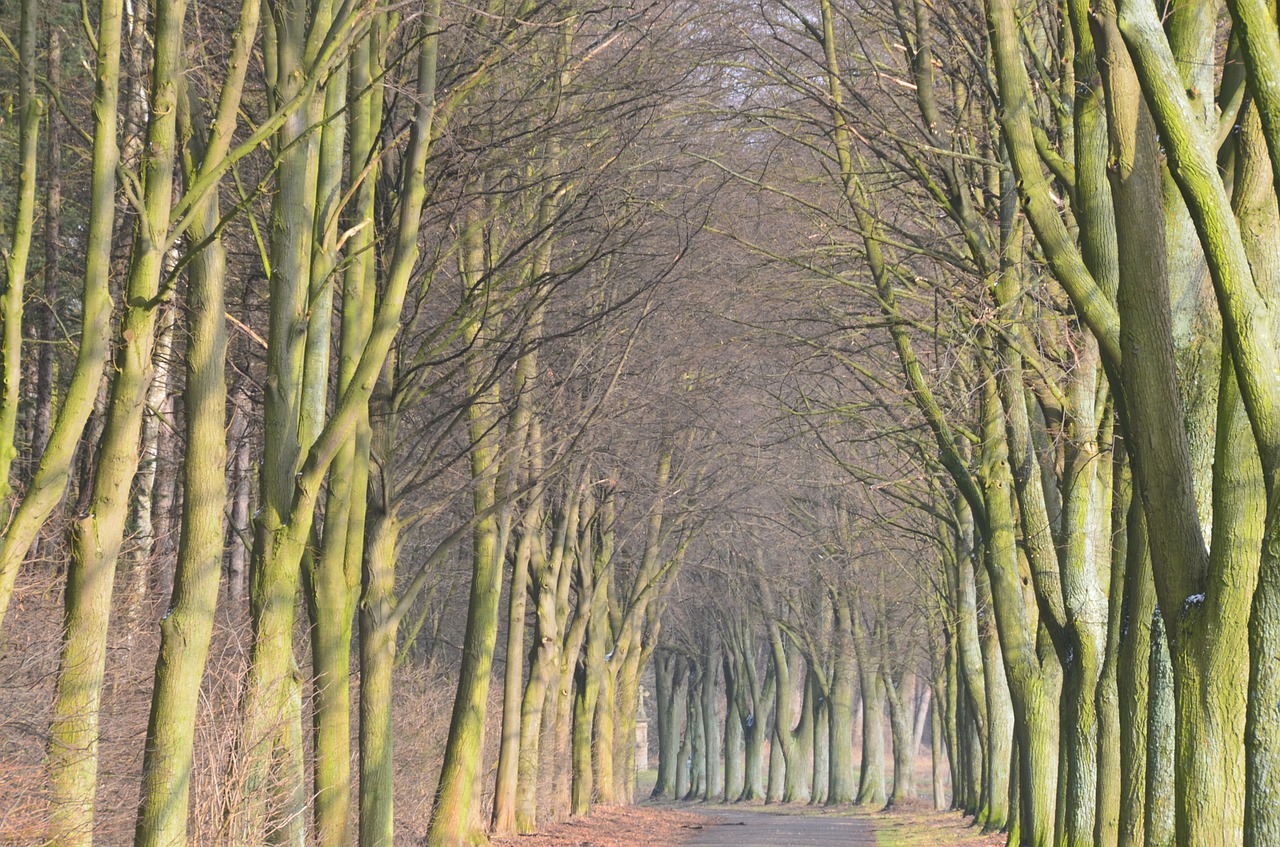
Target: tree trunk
column 242, row 479
column 48, row 326
column 143, row 538
column 59, row 457
column 669, row 677
column 900, row 730
column 776, row 784
column 504, row 795
column 1161, row 809
column 821, row 744
column 999, row 722
column 98, row 534
column 710, row 706
column 734, row 771
column 921, row 715
column 1133, row 678
column 377, row 660
column 602, row 732
column 871, row 774
column 937, row 755
column 186, row 630
column 840, row 718
column 548, row 571
column 12, row 293
column 797, row 787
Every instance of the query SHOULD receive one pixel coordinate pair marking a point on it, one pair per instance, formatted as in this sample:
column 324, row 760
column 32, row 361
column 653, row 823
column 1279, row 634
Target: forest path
column 780, row 829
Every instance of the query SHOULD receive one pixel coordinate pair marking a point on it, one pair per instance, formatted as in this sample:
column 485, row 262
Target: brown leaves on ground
column 615, row 826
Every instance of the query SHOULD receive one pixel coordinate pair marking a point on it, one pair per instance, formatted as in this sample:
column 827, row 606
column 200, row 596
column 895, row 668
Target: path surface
column 762, row 829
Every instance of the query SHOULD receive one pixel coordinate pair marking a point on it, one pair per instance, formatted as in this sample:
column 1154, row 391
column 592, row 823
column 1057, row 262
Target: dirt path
column 672, row 824
column 777, row 829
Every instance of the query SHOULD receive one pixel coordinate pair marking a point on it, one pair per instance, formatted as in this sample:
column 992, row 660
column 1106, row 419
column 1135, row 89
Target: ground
column 617, row 826
column 683, row 824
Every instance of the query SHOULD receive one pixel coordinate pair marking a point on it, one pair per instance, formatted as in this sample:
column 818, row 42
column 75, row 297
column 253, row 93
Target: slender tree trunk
column 48, row 327
column 590, row 669
column 57, row 460
column 1107, row 823
column 186, row 630
column 377, row 660
column 143, row 547
column 921, row 714
column 775, row 786
column 242, row 479
column 603, row 738
column 12, row 294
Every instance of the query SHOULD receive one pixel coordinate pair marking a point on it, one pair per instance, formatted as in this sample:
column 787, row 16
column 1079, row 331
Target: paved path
column 764, row 829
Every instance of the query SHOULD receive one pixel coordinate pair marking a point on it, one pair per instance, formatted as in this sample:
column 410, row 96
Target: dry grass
column 29, row 647
column 917, row 824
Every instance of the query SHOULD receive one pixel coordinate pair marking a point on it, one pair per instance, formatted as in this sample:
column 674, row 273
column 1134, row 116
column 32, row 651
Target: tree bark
column 186, row 631
column 97, row 536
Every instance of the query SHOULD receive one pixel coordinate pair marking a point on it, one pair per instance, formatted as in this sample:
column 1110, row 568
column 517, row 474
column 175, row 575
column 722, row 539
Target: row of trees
column 938, row 341
column 1063, row 218
column 785, row 694
column 361, row 286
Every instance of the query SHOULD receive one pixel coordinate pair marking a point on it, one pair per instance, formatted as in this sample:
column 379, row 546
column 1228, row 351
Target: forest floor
column 668, row 825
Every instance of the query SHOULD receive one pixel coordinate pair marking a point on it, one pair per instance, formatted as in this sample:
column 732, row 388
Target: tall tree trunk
column 999, row 721
column 144, row 509
column 921, row 715
column 734, row 774
column 548, row 573
column 900, row 730
column 48, row 327
column 241, row 476
column 57, row 460
column 1133, row 678
column 669, row 677
column 841, row 786
column 98, row 534
column 710, row 706
column 1159, row 820
column 698, row 745
column 1107, row 823
column 186, row 630
column 821, row 743
column 333, row 580
column 937, row 759
column 451, row 815
column 377, row 660
column 12, row 294
column 871, row 773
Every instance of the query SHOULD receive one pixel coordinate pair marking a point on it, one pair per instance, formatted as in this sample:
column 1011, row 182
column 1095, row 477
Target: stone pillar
column 642, row 744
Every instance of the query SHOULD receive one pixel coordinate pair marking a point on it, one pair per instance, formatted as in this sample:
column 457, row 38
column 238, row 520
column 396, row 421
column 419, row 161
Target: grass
column 920, row 826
